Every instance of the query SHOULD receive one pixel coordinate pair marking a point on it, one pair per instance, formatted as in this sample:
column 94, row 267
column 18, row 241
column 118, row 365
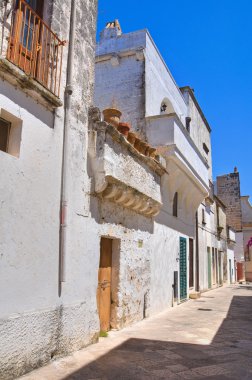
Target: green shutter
column 183, row 269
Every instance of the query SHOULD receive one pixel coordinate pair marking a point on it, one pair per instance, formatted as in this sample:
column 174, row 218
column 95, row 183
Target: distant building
column 239, row 217
column 247, row 235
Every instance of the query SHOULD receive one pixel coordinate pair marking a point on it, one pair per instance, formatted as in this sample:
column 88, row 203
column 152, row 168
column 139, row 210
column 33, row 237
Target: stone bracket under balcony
column 121, row 174
column 17, row 77
column 130, row 198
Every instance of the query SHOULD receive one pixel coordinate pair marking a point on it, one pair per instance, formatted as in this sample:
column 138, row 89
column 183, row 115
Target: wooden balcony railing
column 34, row 48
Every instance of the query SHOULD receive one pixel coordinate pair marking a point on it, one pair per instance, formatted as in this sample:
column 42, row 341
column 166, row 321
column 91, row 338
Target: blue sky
column 207, row 44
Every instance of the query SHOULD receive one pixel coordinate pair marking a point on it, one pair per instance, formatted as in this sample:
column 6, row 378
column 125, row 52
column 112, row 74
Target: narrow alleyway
column 208, row 338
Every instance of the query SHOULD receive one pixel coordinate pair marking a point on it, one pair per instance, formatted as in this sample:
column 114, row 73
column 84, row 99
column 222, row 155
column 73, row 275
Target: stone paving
column 208, row 338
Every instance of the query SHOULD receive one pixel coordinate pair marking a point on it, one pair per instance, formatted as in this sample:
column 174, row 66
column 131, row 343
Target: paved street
column 208, row 338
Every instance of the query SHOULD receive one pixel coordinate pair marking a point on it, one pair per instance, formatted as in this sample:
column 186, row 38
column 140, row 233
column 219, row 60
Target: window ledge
column 30, row 86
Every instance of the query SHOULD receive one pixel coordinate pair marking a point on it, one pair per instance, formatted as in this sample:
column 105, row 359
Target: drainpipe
column 197, row 253
column 65, row 148
column 5, row 17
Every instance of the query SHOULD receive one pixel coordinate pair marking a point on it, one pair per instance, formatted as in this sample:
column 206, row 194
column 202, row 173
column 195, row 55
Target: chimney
column 235, row 170
column 111, row 30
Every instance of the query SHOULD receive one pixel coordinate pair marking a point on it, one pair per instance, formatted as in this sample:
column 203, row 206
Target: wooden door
column 104, row 284
column 191, row 264
column 183, row 269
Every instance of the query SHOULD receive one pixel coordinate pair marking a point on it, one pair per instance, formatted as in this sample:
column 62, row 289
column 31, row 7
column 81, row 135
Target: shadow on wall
column 227, row 357
column 28, row 104
column 104, row 211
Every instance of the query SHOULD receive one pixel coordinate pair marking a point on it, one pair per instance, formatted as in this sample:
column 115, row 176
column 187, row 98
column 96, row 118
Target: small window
column 175, row 205
column 203, row 217
column 10, row 133
column 163, row 107
column 206, row 149
column 5, row 127
column 188, row 121
column 166, row 107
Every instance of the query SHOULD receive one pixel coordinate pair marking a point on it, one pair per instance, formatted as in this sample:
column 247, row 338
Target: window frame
column 175, row 205
column 8, row 124
column 205, row 148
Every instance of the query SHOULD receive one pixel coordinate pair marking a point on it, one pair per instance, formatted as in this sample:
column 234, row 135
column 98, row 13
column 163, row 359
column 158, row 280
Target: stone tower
column 228, row 190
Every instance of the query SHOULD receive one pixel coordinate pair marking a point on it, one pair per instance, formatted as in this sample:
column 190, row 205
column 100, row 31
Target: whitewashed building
column 97, row 233
column 43, row 295
column 132, row 76
column 80, row 200
column 247, row 235
column 214, row 248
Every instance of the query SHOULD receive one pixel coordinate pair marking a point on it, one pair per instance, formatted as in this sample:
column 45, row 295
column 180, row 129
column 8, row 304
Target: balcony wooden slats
column 34, row 48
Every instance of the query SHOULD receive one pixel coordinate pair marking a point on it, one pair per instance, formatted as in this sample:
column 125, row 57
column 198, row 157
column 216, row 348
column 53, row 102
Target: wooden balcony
column 34, row 48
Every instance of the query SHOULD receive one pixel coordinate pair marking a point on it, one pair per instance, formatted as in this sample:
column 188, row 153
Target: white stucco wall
column 246, row 209
column 246, row 220
column 37, row 322
column 200, row 134
column 164, row 261
column 203, row 236
column 167, row 130
column 239, row 249
column 160, row 84
column 122, row 87
column 30, row 243
column 230, row 256
column 115, row 42
column 199, row 131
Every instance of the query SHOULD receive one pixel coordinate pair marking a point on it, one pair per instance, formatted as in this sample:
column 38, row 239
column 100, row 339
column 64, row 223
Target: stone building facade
column 79, row 218
column 98, row 232
column 239, row 216
column 246, row 219
column 200, row 132
column 215, row 249
column 247, row 235
column 228, row 190
column 132, row 77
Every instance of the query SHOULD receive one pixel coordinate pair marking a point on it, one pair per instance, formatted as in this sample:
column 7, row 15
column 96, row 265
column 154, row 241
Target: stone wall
column 228, row 190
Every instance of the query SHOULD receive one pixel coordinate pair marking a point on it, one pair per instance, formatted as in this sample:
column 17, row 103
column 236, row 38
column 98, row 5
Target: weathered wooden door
column 191, row 264
column 183, row 269
column 104, row 284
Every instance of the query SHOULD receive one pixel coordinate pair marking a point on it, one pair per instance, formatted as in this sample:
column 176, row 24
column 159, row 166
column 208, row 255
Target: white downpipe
column 65, row 148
